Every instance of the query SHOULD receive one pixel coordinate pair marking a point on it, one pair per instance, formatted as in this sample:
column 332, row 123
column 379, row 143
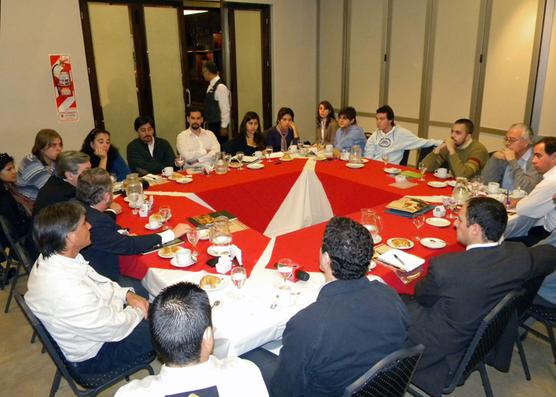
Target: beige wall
column 30, row 31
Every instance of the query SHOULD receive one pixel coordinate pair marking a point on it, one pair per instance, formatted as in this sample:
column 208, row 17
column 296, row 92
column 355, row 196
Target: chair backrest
column 405, row 157
column 423, row 152
column 23, row 256
column 8, row 230
column 486, row 337
column 389, row 377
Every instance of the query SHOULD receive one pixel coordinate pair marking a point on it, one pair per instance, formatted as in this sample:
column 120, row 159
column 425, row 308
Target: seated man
column 353, row 324
column 512, row 166
column 536, row 213
column 349, row 133
column 461, row 288
column 392, row 140
column 181, row 326
column 196, row 144
column 61, row 186
column 145, row 154
column 459, row 153
column 94, row 190
column 95, row 322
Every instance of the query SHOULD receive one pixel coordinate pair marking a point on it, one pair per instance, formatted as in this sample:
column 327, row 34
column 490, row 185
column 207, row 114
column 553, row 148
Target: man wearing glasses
column 512, row 166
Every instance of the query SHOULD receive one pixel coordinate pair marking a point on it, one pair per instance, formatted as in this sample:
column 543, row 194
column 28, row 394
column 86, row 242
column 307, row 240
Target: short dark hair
column 192, row 109
column 69, row 161
column 489, row 214
column 349, row 112
column 142, row 120
column 549, row 144
column 210, row 67
column 388, row 110
column 469, row 127
column 282, row 112
column 179, row 316
column 349, row 246
column 92, row 185
column 52, row 225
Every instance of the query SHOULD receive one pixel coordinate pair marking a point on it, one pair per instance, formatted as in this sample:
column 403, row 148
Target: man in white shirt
column 196, row 144
column 392, row 140
column 181, row 327
column 217, row 102
column 512, row 166
column 96, row 323
column 536, row 215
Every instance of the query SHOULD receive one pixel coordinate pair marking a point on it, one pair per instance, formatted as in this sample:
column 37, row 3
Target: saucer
column 174, row 262
column 255, row 166
column 437, row 184
column 438, row 222
column 400, row 243
column 352, row 165
column 218, row 251
column 392, row 170
column 147, row 226
column 434, row 243
column 184, row 180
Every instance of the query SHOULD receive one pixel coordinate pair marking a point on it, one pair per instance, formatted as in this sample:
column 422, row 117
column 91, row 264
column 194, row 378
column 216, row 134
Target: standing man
column 461, row 288
column 196, row 144
column 349, row 134
column 463, row 155
column 148, row 154
column 512, row 166
column 391, row 139
column 217, row 102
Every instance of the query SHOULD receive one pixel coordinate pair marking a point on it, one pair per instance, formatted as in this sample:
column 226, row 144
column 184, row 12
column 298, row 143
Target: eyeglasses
column 511, row 140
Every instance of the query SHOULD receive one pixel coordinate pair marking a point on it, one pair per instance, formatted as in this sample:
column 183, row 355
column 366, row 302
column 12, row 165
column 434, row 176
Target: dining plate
column 437, row 184
column 438, row 222
column 169, row 252
column 218, row 251
column 451, row 183
column 175, row 176
column 288, row 158
column 255, row 166
column 364, row 160
column 174, row 262
column 352, row 165
column 400, row 243
column 376, row 239
column 223, row 283
column 184, row 180
column 392, row 170
column 433, row 242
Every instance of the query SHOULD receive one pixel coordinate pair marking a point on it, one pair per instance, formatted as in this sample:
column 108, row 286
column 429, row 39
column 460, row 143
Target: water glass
column 422, row 170
column 193, row 238
column 418, row 221
column 239, row 157
column 267, row 152
column 180, row 162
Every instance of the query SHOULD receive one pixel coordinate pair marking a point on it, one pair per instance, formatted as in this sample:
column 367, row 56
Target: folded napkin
column 154, row 178
column 401, row 260
column 428, row 199
column 411, row 174
column 276, row 155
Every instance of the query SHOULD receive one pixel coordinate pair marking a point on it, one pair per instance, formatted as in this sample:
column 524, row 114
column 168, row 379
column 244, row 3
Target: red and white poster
column 64, row 91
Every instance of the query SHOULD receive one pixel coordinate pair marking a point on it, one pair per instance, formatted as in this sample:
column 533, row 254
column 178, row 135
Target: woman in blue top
column 104, row 155
column 285, row 132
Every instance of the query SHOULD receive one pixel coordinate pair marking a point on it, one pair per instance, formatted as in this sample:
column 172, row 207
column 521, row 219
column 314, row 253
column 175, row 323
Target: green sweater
column 466, row 162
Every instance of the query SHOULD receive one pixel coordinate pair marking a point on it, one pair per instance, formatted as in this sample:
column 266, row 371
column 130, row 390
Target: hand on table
column 180, row 229
column 138, row 302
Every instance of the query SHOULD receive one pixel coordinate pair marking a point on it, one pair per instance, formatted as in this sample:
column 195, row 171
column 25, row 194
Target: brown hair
column 43, row 140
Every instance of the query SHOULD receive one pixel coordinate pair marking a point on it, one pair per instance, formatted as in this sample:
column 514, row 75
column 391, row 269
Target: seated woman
column 36, row 168
column 285, row 132
column 250, row 138
column 326, row 124
column 103, row 154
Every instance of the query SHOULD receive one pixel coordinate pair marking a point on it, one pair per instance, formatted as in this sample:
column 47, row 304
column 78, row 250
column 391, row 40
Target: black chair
column 405, row 157
column 389, row 377
column 489, row 332
column 423, row 152
column 547, row 316
column 91, row 385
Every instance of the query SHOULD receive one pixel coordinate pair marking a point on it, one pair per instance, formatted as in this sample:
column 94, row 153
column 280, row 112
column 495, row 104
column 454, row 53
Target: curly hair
column 87, row 149
column 349, row 246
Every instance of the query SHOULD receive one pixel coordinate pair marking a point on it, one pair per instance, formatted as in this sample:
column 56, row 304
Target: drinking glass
column 267, row 152
column 285, row 268
column 385, row 159
column 239, row 157
column 418, row 221
column 193, row 238
column 166, row 212
column 450, row 203
column 422, row 170
column 180, row 162
column 238, row 276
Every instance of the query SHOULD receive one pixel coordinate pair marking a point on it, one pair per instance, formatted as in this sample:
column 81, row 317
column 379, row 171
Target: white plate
column 255, row 166
column 438, row 222
column 213, row 251
column 442, row 177
column 437, row 184
column 286, row 159
column 451, row 183
column 352, row 165
column 174, row 262
column 392, row 170
column 372, row 265
column 364, row 160
column 170, row 256
column 184, row 180
column 377, row 240
column 433, row 242
column 391, row 243
column 153, row 228
column 223, row 284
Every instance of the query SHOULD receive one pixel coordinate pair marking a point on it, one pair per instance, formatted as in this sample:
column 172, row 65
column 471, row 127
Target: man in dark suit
column 353, row 324
column 94, row 190
column 148, row 153
column 461, row 288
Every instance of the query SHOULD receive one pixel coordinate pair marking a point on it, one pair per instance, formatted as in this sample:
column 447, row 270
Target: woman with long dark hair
column 285, row 133
column 250, row 138
column 103, row 154
column 326, row 124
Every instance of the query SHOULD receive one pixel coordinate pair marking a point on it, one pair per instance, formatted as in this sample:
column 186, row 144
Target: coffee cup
column 400, row 178
column 439, row 211
column 258, row 154
column 293, row 149
column 154, row 224
column 441, row 173
column 167, row 171
column 493, row 187
column 344, row 155
column 184, row 258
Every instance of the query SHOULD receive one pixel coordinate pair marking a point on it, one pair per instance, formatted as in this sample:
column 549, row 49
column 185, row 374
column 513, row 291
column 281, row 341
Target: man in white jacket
column 96, row 323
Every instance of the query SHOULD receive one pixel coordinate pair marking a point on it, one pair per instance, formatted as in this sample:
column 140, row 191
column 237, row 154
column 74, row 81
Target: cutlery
column 216, row 303
column 399, row 260
column 275, row 303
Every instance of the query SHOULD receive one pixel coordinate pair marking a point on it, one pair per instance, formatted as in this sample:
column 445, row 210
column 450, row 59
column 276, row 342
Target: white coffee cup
column 154, row 224
column 439, row 211
column 184, row 258
column 493, row 187
column 258, row 154
column 167, row 171
column 293, row 149
column 441, row 172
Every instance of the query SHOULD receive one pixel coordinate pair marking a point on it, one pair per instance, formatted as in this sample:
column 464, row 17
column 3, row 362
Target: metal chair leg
column 485, row 380
column 55, row 383
column 12, row 288
column 551, row 338
column 523, row 358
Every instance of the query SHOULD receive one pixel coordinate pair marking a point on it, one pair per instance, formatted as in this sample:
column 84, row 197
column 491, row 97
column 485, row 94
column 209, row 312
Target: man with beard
column 196, row 144
column 460, row 153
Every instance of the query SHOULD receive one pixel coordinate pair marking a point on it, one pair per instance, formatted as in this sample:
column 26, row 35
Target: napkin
column 154, row 178
column 235, row 252
column 401, row 260
column 224, row 264
column 249, row 159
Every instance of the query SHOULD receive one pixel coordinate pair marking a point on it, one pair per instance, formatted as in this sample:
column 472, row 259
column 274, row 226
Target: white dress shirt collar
column 482, row 245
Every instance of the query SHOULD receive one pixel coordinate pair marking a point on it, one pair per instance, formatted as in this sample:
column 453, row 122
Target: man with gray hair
column 61, row 185
column 512, row 166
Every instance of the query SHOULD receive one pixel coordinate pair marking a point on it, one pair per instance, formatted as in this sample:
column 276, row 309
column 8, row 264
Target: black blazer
column 451, row 301
column 55, row 190
column 326, row 346
column 140, row 160
column 107, row 244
